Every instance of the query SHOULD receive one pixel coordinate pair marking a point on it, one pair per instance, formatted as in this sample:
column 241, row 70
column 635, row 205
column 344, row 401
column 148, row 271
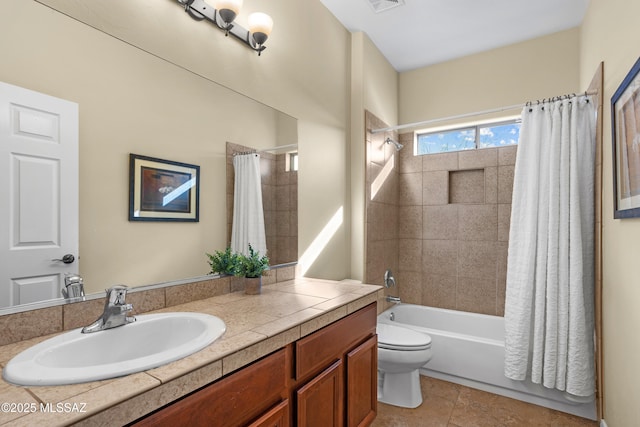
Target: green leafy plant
column 223, row 262
column 252, row 265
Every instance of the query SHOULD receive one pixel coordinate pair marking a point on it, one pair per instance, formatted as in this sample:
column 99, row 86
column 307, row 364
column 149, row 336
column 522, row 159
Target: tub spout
column 395, row 300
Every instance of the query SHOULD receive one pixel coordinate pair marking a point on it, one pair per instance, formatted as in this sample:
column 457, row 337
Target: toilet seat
column 393, row 337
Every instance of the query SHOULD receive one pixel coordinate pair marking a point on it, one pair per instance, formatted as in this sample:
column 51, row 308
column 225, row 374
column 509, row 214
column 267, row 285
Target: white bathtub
column 468, row 349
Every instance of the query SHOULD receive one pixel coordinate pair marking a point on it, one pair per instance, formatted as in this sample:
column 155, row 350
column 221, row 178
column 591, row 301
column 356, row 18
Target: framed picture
column 162, row 190
column 625, row 127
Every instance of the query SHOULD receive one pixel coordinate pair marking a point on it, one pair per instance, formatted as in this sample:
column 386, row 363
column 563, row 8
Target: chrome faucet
column 395, row 300
column 115, row 311
column 73, row 287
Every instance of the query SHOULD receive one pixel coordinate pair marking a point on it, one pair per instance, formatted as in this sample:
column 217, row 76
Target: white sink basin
column 151, row 341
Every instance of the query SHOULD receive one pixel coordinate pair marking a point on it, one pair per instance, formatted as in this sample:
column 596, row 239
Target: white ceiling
column 426, row 32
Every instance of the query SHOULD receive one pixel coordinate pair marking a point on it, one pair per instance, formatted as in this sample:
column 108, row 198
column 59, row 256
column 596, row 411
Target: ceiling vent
column 382, row 5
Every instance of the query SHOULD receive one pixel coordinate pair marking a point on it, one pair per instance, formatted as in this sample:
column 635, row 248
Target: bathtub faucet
column 395, row 300
column 389, row 280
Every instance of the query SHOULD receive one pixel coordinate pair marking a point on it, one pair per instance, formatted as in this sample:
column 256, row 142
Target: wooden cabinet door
column 278, row 416
column 362, row 383
column 320, row 402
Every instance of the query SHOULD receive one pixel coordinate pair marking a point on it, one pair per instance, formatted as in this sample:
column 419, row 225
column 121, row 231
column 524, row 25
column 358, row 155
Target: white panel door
column 38, row 194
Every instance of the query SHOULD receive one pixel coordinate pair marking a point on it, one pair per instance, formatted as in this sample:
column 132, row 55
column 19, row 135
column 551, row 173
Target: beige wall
column 535, row 69
column 610, row 33
column 380, row 85
column 374, row 88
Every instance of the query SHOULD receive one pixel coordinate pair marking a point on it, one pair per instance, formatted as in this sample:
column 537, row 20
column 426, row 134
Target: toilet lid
column 399, row 338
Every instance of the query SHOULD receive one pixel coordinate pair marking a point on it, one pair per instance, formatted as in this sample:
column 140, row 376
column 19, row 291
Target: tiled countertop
column 256, row 326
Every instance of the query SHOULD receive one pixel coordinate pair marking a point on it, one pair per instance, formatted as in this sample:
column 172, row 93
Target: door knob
column 67, row 259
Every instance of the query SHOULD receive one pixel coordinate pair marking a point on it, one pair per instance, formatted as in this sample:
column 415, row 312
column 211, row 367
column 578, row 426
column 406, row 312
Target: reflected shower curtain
column 248, row 213
column 549, row 307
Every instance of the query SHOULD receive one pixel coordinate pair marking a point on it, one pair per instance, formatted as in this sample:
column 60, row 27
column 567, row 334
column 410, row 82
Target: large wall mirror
column 137, row 96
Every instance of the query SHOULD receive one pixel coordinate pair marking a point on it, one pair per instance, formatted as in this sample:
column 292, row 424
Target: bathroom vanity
column 304, row 353
column 327, row 378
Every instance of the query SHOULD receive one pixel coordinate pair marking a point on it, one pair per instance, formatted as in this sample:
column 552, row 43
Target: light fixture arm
column 199, row 10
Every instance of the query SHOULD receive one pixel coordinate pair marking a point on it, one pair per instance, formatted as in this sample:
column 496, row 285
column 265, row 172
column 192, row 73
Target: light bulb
column 260, row 26
column 228, row 10
column 232, row 5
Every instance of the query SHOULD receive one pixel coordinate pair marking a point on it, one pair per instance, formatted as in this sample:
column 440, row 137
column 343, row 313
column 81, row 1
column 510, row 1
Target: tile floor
column 451, row 405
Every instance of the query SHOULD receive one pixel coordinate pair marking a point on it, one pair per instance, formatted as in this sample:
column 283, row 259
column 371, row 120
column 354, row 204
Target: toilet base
column 400, row 389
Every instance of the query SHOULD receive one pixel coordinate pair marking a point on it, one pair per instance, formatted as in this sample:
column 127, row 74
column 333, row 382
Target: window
column 485, row 135
column 291, row 163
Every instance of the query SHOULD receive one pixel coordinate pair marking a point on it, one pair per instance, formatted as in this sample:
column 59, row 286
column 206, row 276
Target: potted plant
column 252, row 267
column 223, row 262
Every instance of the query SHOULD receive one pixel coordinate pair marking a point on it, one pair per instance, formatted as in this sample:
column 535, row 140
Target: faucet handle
column 125, row 309
column 117, row 294
column 389, row 280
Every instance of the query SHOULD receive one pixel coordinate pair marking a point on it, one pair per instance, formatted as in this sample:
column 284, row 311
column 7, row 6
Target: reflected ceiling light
column 224, row 12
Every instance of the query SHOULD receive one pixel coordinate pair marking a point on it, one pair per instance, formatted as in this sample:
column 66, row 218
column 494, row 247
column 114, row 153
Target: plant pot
column 252, row 285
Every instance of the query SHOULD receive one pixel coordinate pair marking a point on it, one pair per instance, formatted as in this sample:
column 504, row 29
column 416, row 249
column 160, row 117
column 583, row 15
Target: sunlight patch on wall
column 377, row 183
column 320, row 242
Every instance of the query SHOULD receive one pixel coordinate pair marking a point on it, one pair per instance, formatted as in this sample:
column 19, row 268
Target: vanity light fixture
column 224, row 12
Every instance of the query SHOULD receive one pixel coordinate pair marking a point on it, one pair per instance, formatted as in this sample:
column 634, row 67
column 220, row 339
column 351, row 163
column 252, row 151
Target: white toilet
column 401, row 352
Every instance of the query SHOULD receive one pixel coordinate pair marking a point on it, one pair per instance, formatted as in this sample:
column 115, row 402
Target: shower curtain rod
column 476, row 113
column 281, row 147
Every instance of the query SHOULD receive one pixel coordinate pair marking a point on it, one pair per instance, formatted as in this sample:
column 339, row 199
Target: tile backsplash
column 35, row 323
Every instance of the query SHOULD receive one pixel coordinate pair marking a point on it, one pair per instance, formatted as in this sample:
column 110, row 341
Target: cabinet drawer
column 233, row 401
column 316, row 351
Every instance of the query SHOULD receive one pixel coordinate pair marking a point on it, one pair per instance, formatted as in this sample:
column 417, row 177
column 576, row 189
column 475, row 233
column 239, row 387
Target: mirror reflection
column 133, row 101
column 279, row 186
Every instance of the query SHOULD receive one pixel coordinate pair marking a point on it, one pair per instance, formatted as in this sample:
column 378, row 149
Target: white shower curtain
column 248, row 213
column 549, row 307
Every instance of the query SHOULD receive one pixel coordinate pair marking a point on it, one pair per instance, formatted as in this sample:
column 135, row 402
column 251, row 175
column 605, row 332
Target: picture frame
column 163, row 190
column 625, row 138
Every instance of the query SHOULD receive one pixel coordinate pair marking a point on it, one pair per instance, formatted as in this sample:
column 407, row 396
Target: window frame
column 459, row 127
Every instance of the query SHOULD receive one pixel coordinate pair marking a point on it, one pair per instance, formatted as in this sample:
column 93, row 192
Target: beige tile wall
column 440, row 222
column 463, row 228
column 286, row 212
column 383, row 194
